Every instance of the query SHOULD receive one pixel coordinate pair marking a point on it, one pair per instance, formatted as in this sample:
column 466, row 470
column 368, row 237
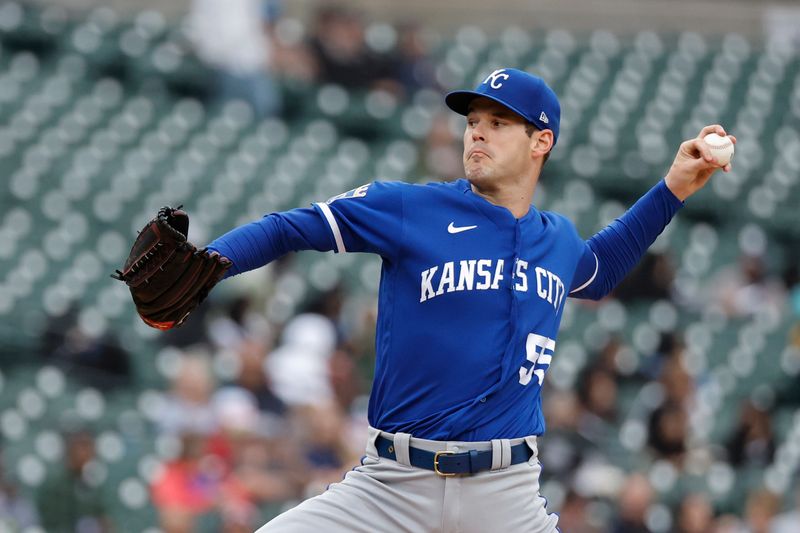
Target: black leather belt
column 450, row 463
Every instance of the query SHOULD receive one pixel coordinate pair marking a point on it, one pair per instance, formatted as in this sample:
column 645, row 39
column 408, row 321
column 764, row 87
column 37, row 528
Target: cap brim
column 459, row 102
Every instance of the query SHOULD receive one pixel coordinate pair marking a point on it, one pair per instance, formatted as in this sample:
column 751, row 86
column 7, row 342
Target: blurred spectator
column 299, row 367
column 651, row 279
column 575, row 515
column 70, row 500
column 597, row 478
column 412, row 64
column 292, row 58
column 329, row 304
column 325, row 447
column 753, row 441
column 345, row 379
column 567, row 446
column 230, row 36
column 633, row 503
column 190, row 486
column 791, row 281
column 668, row 427
column 238, row 324
column 227, row 474
column 199, row 483
column 762, row 506
column 597, row 392
column 788, row 393
column 441, row 151
column 729, row 524
column 695, row 515
column 607, row 356
column 267, row 467
column 253, row 378
column 361, row 341
column 56, row 329
column 563, row 408
column 746, row 290
column 98, row 359
column 670, row 346
column 188, row 405
column 667, row 432
column 237, row 415
column 678, row 384
column 614, row 357
column 16, row 512
column 244, row 435
column 789, row 521
column 341, row 53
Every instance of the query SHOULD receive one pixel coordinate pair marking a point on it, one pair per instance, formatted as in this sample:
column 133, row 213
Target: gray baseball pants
column 383, row 495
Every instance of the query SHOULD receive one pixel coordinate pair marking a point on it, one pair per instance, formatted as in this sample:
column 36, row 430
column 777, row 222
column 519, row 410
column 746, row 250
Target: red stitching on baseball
column 716, row 146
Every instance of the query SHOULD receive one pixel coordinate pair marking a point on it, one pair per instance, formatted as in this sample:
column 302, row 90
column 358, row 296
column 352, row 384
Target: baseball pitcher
column 473, row 287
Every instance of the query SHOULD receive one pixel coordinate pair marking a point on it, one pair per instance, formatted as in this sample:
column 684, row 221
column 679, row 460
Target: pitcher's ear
column 541, row 142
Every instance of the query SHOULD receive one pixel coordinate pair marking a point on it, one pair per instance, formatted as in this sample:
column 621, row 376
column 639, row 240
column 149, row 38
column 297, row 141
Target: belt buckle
column 436, row 463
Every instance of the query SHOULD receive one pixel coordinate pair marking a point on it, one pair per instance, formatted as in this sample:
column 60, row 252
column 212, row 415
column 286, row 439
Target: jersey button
column 483, row 400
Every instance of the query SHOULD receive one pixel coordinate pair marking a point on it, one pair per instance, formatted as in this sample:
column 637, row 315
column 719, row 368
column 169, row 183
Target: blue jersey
column 470, row 297
column 469, row 306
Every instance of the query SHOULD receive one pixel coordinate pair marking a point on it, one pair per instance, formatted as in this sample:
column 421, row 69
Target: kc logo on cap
column 523, row 93
column 494, row 76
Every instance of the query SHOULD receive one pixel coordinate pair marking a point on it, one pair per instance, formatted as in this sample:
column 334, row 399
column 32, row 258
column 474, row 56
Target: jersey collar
column 498, row 215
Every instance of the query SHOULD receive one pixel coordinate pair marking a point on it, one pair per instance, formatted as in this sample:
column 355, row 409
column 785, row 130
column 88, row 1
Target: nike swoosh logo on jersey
column 458, row 229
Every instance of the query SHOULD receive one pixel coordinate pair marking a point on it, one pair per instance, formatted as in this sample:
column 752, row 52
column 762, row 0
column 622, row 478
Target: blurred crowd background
column 672, row 405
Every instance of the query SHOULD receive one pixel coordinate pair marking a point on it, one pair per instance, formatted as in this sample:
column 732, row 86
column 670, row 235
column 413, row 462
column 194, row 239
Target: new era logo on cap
column 521, row 92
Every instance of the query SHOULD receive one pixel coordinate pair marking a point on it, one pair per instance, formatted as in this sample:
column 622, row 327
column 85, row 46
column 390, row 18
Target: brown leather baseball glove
column 168, row 277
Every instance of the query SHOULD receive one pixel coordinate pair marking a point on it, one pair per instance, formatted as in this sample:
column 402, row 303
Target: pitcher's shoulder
column 558, row 222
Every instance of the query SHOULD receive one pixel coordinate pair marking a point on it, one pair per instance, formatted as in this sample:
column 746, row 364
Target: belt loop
column 473, row 461
column 506, row 455
column 497, row 454
column 401, row 448
column 372, row 435
column 531, row 442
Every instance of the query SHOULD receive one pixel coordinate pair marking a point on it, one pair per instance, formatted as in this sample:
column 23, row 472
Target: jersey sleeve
column 366, row 219
column 260, row 242
column 611, row 253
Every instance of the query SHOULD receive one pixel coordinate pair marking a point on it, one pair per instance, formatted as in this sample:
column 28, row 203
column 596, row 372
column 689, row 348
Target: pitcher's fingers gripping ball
column 697, row 160
column 167, row 275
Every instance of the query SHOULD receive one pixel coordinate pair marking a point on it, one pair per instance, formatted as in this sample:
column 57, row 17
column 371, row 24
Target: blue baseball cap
column 525, row 94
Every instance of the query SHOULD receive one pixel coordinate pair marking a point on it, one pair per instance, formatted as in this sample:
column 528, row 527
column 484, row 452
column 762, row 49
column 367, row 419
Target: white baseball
column 721, row 148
